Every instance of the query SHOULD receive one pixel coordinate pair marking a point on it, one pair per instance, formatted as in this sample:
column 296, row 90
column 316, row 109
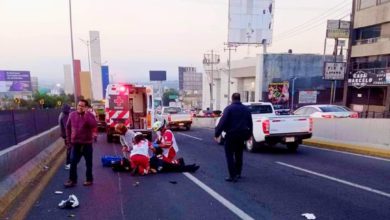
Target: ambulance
column 130, row 104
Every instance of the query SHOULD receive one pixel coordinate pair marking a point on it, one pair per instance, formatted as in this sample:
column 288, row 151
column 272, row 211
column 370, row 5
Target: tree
column 170, row 96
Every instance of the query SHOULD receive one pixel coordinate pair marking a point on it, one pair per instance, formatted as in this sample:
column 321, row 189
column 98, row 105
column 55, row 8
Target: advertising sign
column 307, row 97
column 337, row 29
column 157, row 75
column 15, row 81
column 250, row 21
column 278, row 95
column 372, row 77
column 334, row 70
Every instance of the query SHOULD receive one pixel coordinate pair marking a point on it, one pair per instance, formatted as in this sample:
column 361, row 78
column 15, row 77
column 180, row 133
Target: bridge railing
column 372, row 114
column 19, row 125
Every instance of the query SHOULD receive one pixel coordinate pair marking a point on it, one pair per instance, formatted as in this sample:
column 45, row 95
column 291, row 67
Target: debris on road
column 136, row 184
column 309, row 216
column 71, row 215
column 70, row 203
column 173, row 182
column 58, row 192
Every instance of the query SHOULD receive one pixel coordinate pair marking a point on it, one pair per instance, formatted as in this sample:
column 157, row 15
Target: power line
column 310, row 28
column 327, row 13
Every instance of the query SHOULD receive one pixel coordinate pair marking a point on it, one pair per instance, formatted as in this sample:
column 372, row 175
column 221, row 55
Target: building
column 77, row 80
column 369, row 65
column 190, row 87
column 86, row 88
column 68, row 80
column 284, row 79
column 34, row 84
column 105, row 79
column 96, row 63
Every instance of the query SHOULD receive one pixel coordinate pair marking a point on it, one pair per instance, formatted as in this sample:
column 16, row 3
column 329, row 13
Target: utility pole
column 334, row 84
column 229, row 48
column 211, row 59
column 72, row 51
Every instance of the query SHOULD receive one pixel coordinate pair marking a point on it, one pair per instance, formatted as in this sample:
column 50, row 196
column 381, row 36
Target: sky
column 138, row 36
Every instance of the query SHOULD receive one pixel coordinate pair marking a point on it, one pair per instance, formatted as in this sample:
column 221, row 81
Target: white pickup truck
column 175, row 117
column 270, row 129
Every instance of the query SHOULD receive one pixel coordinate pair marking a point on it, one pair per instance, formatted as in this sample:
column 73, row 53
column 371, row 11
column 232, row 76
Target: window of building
column 367, row 34
column 371, row 62
column 366, row 3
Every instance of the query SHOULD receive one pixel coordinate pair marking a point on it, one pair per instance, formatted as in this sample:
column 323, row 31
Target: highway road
column 276, row 184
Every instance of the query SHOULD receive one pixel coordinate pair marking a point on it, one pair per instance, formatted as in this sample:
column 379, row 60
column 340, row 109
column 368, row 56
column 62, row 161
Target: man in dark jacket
column 79, row 133
column 237, row 122
column 62, row 120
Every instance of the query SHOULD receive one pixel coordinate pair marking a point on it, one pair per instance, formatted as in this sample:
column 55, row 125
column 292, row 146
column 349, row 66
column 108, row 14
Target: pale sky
column 141, row 35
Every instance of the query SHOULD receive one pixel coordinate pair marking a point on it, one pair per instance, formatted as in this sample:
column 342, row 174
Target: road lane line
column 343, row 152
column 369, row 189
column 199, row 139
column 219, row 198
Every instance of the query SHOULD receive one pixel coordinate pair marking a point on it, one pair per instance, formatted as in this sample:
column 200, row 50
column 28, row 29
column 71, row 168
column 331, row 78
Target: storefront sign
column 337, row 29
column 307, row 97
column 334, row 70
column 374, row 77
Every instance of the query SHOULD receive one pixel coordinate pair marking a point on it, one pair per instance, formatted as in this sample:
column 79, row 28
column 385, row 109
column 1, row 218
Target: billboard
column 157, row 75
column 250, row 21
column 371, row 77
column 279, row 95
column 334, row 70
column 337, row 29
column 15, row 81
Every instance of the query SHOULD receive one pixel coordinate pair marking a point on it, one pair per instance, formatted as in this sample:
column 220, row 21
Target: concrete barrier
column 22, row 163
column 361, row 132
column 204, row 122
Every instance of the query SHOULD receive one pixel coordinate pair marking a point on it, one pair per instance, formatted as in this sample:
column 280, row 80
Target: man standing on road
column 237, row 122
column 79, row 132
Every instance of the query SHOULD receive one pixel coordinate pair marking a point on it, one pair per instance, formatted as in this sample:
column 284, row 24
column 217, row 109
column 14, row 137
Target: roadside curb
column 358, row 149
column 38, row 177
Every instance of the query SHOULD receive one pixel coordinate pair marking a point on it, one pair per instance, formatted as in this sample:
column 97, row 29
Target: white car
column 270, row 129
column 326, row 111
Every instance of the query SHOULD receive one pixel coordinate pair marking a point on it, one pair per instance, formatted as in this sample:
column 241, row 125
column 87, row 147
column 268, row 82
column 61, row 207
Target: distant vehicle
column 175, row 117
column 98, row 107
column 270, row 129
column 326, row 111
column 129, row 104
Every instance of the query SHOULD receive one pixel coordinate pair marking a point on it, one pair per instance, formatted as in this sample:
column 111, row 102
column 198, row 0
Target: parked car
column 270, row 129
column 326, row 111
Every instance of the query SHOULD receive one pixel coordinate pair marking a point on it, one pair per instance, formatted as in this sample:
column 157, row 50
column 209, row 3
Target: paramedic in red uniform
column 166, row 141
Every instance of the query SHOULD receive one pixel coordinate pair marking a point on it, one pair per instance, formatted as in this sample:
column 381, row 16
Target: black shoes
column 231, row 179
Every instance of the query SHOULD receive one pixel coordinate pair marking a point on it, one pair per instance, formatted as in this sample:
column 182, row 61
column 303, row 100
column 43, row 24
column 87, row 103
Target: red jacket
column 79, row 128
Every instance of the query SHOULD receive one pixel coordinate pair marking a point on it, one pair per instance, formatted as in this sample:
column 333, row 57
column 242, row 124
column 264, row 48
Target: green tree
column 168, row 96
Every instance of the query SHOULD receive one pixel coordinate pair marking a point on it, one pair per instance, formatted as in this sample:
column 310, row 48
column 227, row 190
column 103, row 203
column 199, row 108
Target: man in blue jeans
column 79, row 133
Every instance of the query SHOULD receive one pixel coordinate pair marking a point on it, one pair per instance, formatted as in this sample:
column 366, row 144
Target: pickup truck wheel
column 188, row 127
column 292, row 146
column 251, row 145
column 109, row 138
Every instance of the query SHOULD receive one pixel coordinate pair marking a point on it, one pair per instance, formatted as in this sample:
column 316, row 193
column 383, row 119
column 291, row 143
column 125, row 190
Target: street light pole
column 229, row 48
column 72, row 51
column 211, row 59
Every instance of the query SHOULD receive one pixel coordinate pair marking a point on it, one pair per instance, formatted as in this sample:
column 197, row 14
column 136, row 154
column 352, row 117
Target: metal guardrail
column 371, row 114
column 19, row 125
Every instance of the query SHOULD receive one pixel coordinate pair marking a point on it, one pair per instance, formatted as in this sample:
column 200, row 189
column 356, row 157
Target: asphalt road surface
column 276, row 184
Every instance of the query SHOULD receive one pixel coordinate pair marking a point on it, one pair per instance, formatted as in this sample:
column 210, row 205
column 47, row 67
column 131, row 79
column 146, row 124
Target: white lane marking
column 349, row 153
column 190, row 136
column 120, row 190
column 218, row 197
column 369, row 189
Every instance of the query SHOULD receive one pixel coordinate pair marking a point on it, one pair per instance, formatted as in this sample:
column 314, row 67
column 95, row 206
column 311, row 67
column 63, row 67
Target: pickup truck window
column 260, row 109
column 172, row 110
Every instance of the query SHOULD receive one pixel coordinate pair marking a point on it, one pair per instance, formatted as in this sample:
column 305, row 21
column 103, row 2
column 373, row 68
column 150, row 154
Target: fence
column 19, row 125
column 369, row 114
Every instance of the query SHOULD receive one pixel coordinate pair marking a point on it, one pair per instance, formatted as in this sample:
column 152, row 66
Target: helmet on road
column 157, row 126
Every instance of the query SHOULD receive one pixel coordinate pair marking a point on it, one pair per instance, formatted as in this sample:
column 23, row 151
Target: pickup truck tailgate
column 289, row 124
column 181, row 117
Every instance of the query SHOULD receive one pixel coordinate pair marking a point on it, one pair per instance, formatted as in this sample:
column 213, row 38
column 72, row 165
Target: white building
column 252, row 76
column 68, row 80
column 96, row 63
